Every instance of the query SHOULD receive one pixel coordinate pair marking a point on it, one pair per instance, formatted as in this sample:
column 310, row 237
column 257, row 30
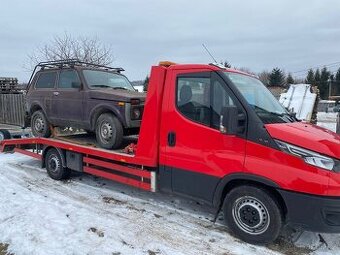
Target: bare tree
column 87, row 49
column 264, row 77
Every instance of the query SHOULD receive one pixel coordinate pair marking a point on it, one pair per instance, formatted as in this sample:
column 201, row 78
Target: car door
column 67, row 99
column 198, row 155
column 41, row 94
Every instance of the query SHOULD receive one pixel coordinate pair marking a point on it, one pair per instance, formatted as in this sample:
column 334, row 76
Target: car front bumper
column 311, row 212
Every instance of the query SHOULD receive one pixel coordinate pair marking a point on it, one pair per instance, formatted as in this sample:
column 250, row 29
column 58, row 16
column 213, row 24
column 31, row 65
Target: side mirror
column 229, row 120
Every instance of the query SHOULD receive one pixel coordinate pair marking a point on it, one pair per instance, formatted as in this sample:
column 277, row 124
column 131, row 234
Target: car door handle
column 56, row 93
column 171, row 139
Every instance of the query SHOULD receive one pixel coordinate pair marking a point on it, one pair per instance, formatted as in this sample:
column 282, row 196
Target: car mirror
column 231, row 121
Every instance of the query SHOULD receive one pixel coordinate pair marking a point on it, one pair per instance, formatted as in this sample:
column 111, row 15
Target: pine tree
column 323, row 84
column 317, row 76
column 337, row 76
column 310, row 79
column 277, row 78
column 290, row 79
column 146, row 83
column 336, row 84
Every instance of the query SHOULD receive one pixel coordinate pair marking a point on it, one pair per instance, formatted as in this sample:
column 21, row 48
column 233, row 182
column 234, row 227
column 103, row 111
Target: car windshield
column 260, row 99
column 101, row 79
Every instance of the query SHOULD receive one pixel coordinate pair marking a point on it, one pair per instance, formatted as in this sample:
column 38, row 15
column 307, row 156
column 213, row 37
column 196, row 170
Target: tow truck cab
column 218, row 135
column 222, row 129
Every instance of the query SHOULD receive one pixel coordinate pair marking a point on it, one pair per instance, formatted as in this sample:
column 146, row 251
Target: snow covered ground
column 89, row 215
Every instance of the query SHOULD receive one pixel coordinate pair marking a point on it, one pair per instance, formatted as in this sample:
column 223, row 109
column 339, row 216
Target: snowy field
column 89, row 215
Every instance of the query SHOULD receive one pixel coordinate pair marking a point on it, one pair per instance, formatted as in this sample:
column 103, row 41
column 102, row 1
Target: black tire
column 54, row 166
column 109, row 131
column 253, row 214
column 40, row 125
column 5, row 134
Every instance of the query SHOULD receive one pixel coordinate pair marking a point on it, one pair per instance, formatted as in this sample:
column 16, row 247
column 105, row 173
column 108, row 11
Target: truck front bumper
column 311, row 212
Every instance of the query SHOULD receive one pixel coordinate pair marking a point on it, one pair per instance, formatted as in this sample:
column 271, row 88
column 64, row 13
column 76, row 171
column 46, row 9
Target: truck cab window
column 193, row 99
column 69, row 79
column 220, row 99
column 46, row 80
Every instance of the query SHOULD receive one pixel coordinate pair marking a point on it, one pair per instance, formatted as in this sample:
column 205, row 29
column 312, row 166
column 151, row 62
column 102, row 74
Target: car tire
column 40, row 125
column 253, row 214
column 109, row 131
column 5, row 134
column 54, row 166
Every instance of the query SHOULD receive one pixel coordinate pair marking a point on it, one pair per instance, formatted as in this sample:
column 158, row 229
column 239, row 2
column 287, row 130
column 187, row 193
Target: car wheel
column 54, row 165
column 252, row 214
column 39, row 125
column 5, row 134
column 109, row 131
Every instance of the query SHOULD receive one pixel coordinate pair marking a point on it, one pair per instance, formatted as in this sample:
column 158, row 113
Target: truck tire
column 252, row 214
column 5, row 134
column 54, row 166
column 40, row 125
column 109, row 131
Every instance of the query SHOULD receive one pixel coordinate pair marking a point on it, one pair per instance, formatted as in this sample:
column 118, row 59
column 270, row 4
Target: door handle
column 171, row 139
column 56, row 93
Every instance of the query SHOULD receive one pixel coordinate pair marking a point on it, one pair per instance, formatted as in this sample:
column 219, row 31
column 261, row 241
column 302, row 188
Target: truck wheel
column 39, row 125
column 54, row 166
column 109, row 131
column 5, row 134
column 252, row 214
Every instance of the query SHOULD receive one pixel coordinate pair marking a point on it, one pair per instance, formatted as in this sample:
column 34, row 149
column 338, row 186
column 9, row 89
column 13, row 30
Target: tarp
column 300, row 100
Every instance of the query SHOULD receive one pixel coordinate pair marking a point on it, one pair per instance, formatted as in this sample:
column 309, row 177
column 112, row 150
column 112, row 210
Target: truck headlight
column 310, row 157
column 136, row 113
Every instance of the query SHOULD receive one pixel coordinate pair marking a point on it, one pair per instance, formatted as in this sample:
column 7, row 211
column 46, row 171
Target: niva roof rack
column 70, row 63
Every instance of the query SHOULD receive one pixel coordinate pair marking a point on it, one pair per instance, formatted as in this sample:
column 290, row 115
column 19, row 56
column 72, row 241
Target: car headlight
column 310, row 157
column 136, row 113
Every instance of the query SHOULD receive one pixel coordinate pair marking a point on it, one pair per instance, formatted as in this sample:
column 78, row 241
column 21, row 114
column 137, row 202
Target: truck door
column 67, row 101
column 196, row 155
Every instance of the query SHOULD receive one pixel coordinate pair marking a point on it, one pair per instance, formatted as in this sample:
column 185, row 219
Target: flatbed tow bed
column 113, row 165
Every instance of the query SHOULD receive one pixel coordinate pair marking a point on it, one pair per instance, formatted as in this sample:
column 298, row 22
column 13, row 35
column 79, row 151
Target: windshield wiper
column 120, row 88
column 289, row 116
column 100, row 86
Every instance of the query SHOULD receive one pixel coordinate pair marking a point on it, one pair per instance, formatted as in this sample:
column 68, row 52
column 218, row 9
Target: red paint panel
column 198, row 148
column 117, row 178
column 28, row 153
column 289, row 172
column 307, row 136
column 120, row 168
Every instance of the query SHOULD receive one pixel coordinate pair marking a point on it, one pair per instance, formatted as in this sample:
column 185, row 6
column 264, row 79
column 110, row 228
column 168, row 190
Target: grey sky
column 260, row 35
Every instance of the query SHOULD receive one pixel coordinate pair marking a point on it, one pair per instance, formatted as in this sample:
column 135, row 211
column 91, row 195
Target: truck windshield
column 101, row 79
column 260, row 99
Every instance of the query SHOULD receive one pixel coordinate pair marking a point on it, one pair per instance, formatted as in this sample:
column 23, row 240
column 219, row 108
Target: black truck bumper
column 313, row 213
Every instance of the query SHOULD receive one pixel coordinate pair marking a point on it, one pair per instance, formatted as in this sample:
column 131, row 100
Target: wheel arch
column 35, row 107
column 235, row 180
column 104, row 109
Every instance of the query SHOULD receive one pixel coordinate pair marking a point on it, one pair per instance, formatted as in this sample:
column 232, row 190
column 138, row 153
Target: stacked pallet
column 8, row 84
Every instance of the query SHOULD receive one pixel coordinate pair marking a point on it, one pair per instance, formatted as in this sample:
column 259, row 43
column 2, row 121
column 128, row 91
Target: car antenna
column 209, row 53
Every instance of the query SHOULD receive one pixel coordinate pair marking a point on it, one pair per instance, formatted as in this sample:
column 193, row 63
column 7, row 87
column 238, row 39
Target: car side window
column 46, row 80
column 68, row 79
column 193, row 98
column 221, row 98
column 202, row 99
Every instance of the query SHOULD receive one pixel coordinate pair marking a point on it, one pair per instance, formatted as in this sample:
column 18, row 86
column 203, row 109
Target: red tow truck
column 219, row 136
